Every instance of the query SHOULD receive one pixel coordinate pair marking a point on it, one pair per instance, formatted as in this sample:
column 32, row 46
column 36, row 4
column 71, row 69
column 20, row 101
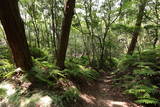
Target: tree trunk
column 54, row 27
column 66, row 25
column 157, row 23
column 137, row 27
column 15, row 32
column 156, row 38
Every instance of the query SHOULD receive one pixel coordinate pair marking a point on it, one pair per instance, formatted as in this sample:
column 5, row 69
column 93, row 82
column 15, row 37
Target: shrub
column 70, row 96
column 6, row 68
column 82, row 60
column 5, row 53
column 37, row 53
column 79, row 72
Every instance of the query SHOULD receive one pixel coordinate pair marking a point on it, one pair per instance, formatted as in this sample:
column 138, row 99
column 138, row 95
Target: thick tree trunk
column 137, row 27
column 14, row 29
column 66, row 25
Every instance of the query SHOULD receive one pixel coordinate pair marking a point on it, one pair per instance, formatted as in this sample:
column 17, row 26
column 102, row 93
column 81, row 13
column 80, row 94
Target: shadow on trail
column 103, row 94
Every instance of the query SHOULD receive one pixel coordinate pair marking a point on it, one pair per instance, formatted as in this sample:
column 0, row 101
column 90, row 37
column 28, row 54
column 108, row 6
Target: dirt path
column 102, row 94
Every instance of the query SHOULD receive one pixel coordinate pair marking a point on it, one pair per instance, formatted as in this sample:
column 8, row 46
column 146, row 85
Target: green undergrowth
column 6, row 66
column 6, row 69
column 2, row 92
column 46, row 71
column 52, row 76
column 139, row 75
column 48, row 77
column 5, row 52
column 80, row 72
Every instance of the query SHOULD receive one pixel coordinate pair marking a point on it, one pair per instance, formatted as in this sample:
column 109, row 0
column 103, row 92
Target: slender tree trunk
column 157, row 23
column 86, row 50
column 54, row 34
column 66, row 25
column 156, row 38
column 137, row 27
column 14, row 29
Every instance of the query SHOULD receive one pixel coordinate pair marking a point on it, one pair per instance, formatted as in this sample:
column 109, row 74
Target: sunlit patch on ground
column 36, row 99
column 45, row 101
column 103, row 94
column 10, row 88
column 112, row 103
column 9, row 91
column 88, row 99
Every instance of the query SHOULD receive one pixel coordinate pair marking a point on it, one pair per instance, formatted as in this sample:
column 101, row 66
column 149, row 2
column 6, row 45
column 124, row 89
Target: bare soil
column 102, row 94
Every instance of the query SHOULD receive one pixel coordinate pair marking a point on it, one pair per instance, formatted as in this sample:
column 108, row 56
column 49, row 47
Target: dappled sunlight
column 10, row 88
column 38, row 100
column 82, row 67
column 79, row 53
column 112, row 103
column 100, row 101
column 88, row 98
column 45, row 101
column 102, row 94
column 106, row 81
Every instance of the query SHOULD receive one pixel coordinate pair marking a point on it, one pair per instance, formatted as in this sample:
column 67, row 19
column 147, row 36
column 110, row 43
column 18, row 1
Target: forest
column 80, row 53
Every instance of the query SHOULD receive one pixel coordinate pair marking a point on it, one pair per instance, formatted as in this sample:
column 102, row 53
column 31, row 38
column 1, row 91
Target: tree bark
column 15, row 33
column 66, row 25
column 137, row 27
column 157, row 23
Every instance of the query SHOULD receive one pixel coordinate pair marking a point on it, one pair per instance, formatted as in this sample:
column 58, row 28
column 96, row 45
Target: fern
column 139, row 71
column 70, row 95
column 148, row 101
column 6, row 68
column 57, row 74
column 81, row 72
column 145, row 72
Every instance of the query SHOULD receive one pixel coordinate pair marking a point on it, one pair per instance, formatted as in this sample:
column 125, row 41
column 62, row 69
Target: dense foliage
column 141, row 75
column 119, row 37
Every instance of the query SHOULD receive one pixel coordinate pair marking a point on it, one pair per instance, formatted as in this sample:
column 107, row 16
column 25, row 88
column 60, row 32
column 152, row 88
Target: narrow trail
column 102, row 94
